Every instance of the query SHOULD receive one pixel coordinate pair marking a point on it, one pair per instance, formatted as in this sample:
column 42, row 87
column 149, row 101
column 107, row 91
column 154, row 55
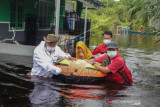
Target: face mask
column 50, row 49
column 112, row 54
column 106, row 41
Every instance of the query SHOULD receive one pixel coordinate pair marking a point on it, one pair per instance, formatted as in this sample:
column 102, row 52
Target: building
column 32, row 19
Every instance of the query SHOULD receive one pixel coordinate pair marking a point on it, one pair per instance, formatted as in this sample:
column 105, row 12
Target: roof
column 94, row 3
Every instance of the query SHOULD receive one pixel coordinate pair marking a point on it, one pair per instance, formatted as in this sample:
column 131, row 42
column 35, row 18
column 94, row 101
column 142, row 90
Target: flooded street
column 141, row 53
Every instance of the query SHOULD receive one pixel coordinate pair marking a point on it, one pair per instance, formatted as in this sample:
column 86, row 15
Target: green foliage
column 115, row 14
column 147, row 13
column 133, row 13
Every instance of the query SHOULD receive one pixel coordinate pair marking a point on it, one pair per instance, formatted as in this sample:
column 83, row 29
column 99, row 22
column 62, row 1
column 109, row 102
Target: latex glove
column 58, row 70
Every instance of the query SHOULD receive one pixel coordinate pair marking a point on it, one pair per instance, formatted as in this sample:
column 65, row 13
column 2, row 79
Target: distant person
column 117, row 70
column 45, row 56
column 101, row 49
column 82, row 52
column 68, row 45
column 140, row 29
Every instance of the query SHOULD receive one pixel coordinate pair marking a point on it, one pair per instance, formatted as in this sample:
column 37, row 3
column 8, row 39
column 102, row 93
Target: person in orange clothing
column 82, row 52
column 101, row 49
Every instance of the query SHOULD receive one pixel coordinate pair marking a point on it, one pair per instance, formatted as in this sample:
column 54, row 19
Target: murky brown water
column 141, row 53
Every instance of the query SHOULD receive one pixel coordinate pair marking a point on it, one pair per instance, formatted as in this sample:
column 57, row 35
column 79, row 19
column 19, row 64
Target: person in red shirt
column 101, row 49
column 117, row 70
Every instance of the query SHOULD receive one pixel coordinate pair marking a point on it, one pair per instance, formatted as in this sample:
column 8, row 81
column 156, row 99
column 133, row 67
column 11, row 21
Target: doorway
column 30, row 30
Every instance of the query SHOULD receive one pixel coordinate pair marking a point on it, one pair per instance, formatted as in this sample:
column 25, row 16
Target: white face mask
column 112, row 54
column 106, row 41
column 50, row 48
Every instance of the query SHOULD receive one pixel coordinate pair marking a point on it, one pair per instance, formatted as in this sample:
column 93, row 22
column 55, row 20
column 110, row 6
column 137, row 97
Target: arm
column 45, row 64
column 61, row 53
column 101, row 58
column 96, row 51
column 113, row 67
column 99, row 49
column 101, row 68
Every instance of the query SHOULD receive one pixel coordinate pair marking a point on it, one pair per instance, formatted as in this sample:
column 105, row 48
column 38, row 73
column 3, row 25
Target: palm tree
column 147, row 12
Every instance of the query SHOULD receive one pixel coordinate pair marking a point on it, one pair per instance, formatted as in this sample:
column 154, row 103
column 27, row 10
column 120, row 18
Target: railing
column 10, row 40
column 75, row 26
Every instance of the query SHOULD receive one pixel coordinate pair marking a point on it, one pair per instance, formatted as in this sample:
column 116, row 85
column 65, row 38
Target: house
column 32, row 19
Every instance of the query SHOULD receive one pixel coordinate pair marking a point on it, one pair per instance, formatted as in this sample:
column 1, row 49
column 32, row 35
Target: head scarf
column 86, row 51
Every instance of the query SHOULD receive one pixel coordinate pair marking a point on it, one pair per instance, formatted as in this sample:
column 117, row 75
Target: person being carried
column 45, row 56
column 82, row 52
column 117, row 70
column 101, row 49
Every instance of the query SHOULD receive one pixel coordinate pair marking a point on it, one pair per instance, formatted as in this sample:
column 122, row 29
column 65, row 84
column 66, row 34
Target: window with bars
column 45, row 11
column 16, row 15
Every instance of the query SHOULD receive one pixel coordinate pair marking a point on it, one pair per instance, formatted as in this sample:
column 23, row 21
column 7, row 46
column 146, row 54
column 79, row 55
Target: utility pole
column 57, row 17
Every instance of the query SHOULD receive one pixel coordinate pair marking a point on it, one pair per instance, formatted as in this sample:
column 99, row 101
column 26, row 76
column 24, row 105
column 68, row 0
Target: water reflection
column 45, row 93
column 141, row 54
column 14, row 85
column 90, row 95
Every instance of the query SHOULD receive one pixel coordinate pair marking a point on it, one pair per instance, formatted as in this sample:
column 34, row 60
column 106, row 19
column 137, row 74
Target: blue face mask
column 106, row 41
column 112, row 54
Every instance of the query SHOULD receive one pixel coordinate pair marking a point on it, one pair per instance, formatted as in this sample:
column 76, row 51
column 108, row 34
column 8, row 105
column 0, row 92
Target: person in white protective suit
column 45, row 56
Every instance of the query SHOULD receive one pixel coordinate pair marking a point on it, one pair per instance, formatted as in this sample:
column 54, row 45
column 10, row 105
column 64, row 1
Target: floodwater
column 141, row 53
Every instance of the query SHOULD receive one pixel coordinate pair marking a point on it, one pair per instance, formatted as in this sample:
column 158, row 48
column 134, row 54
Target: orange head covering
column 86, row 51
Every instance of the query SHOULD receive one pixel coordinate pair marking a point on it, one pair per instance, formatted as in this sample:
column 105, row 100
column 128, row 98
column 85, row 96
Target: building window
column 16, row 15
column 45, row 12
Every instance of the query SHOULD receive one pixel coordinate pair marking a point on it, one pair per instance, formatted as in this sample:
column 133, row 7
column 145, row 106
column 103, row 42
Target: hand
column 58, row 70
column 81, row 55
column 94, row 56
column 91, row 62
column 72, row 58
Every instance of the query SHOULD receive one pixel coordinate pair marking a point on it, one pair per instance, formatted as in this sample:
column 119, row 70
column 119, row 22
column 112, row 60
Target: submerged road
column 142, row 58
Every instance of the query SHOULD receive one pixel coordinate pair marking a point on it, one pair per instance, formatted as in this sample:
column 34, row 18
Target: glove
column 58, row 70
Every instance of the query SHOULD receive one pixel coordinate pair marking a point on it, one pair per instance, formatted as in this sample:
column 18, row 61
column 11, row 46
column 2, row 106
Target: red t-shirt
column 100, row 49
column 117, row 63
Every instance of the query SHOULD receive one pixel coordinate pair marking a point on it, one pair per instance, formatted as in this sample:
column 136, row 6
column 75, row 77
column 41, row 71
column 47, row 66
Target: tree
column 147, row 12
column 115, row 14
